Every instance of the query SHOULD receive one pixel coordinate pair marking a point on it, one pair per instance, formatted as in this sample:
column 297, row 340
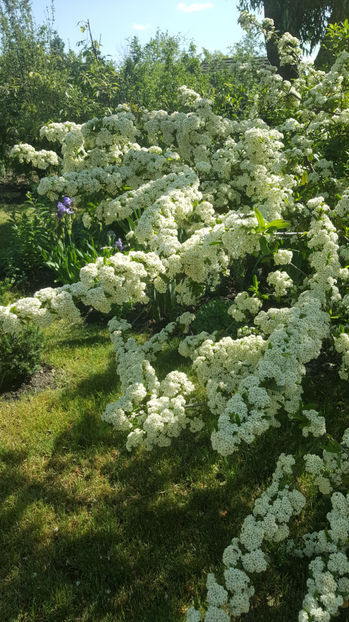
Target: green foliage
column 33, row 230
column 212, row 316
column 163, row 306
column 95, row 77
column 336, row 41
column 40, row 82
column 20, row 356
column 45, row 249
column 233, row 87
column 150, row 75
column 337, row 37
column 66, row 260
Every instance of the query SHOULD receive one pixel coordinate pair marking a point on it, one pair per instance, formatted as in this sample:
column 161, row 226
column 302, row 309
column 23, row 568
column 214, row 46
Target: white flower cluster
column 332, row 468
column 316, row 425
column 276, row 380
column 47, row 305
column 272, row 512
column 328, row 89
column 39, row 159
column 342, row 208
column 152, row 412
column 243, row 304
column 280, row 281
column 220, row 367
column 147, row 194
column 341, row 344
column 55, row 132
column 324, row 597
column 328, row 584
column 289, row 49
column 324, row 258
column 89, row 181
column 117, row 280
column 282, row 257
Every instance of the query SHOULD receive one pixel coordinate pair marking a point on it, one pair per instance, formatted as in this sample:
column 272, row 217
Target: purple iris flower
column 116, row 243
column 64, row 207
column 68, row 202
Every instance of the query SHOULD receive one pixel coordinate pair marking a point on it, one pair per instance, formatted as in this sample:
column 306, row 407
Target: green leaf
column 260, row 219
column 304, row 179
column 279, row 223
column 264, row 246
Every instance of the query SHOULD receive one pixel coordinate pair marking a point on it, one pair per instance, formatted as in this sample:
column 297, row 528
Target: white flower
column 317, row 424
column 254, row 561
column 192, row 615
column 216, row 594
column 281, row 282
column 282, row 257
column 87, row 220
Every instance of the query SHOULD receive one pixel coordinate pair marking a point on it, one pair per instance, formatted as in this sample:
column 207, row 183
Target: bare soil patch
column 44, row 378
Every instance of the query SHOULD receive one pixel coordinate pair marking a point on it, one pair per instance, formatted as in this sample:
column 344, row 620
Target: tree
column 305, row 19
column 151, row 74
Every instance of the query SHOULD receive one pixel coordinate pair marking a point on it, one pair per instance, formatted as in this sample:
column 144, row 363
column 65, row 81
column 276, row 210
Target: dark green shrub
column 32, row 229
column 20, row 356
column 213, row 315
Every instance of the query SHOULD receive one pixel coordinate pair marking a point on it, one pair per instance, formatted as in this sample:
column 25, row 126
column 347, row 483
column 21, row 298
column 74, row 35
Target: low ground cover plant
column 20, row 356
column 253, row 211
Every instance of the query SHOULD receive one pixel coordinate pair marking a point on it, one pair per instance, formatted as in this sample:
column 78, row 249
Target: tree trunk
column 284, row 21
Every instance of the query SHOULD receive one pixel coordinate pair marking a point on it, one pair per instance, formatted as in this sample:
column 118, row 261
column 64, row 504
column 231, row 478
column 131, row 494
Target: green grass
column 90, row 532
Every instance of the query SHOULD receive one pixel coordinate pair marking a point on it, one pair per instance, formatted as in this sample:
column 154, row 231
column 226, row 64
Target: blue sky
column 210, row 24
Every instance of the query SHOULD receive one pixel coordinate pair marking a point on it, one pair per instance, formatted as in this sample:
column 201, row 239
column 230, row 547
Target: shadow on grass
column 85, row 341
column 100, row 534
column 130, row 551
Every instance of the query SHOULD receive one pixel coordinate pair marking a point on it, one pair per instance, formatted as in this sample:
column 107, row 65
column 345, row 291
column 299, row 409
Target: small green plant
column 20, row 356
column 32, row 231
column 66, row 260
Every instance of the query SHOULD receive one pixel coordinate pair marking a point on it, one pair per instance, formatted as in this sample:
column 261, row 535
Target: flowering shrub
column 218, row 198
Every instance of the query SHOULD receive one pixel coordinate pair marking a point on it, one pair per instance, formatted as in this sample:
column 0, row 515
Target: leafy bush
column 213, row 315
column 40, row 81
column 20, row 356
column 32, row 231
column 337, row 37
